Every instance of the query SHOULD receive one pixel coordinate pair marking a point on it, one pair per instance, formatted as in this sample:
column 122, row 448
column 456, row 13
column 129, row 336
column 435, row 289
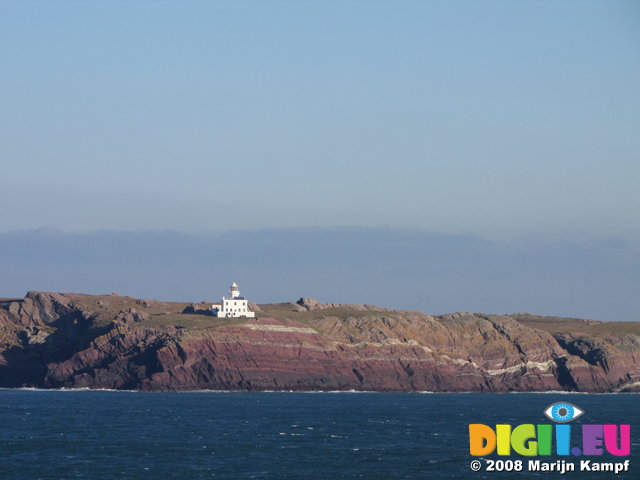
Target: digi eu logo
column 532, row 440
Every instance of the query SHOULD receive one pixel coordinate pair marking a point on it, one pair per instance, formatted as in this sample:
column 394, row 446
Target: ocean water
column 216, row 435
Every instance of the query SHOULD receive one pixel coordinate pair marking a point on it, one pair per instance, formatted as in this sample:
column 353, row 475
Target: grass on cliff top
column 161, row 314
column 106, row 307
column 311, row 318
column 283, row 310
column 577, row 326
column 167, row 314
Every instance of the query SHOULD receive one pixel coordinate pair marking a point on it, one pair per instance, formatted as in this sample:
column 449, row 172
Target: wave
column 421, row 392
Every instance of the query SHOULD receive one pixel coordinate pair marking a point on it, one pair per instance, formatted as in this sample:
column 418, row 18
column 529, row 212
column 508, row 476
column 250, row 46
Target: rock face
column 52, row 340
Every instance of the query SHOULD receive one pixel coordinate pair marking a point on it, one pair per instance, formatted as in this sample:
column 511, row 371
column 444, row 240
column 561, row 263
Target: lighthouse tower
column 233, row 307
column 234, row 290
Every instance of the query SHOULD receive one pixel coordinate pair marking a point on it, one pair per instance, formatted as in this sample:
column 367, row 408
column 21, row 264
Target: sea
column 77, row 434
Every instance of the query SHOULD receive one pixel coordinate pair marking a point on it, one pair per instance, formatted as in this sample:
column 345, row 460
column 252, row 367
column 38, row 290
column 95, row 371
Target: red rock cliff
column 70, row 340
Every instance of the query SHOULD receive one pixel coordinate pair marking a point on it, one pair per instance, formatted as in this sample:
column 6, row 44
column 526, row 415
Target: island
column 65, row 340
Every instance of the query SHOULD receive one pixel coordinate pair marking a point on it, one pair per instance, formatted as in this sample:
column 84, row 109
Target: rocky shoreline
column 53, row 340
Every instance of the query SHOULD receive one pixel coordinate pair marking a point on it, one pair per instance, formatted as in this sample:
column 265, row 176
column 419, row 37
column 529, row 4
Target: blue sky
column 440, row 155
column 503, row 119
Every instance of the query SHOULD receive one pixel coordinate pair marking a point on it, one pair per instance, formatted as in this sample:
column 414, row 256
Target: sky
column 434, row 155
column 496, row 118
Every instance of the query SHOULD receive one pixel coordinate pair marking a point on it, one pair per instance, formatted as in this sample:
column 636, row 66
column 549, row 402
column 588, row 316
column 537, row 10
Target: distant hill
column 401, row 268
column 53, row 340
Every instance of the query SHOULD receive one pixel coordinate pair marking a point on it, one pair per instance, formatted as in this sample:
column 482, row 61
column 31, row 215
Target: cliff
column 53, row 340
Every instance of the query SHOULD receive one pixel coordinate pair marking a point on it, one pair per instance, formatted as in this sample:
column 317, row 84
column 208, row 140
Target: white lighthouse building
column 233, row 307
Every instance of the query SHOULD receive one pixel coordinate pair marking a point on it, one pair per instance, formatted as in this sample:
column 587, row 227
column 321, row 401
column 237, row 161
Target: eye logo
column 562, row 412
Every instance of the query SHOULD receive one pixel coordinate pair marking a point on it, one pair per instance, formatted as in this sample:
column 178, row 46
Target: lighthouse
column 235, row 306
